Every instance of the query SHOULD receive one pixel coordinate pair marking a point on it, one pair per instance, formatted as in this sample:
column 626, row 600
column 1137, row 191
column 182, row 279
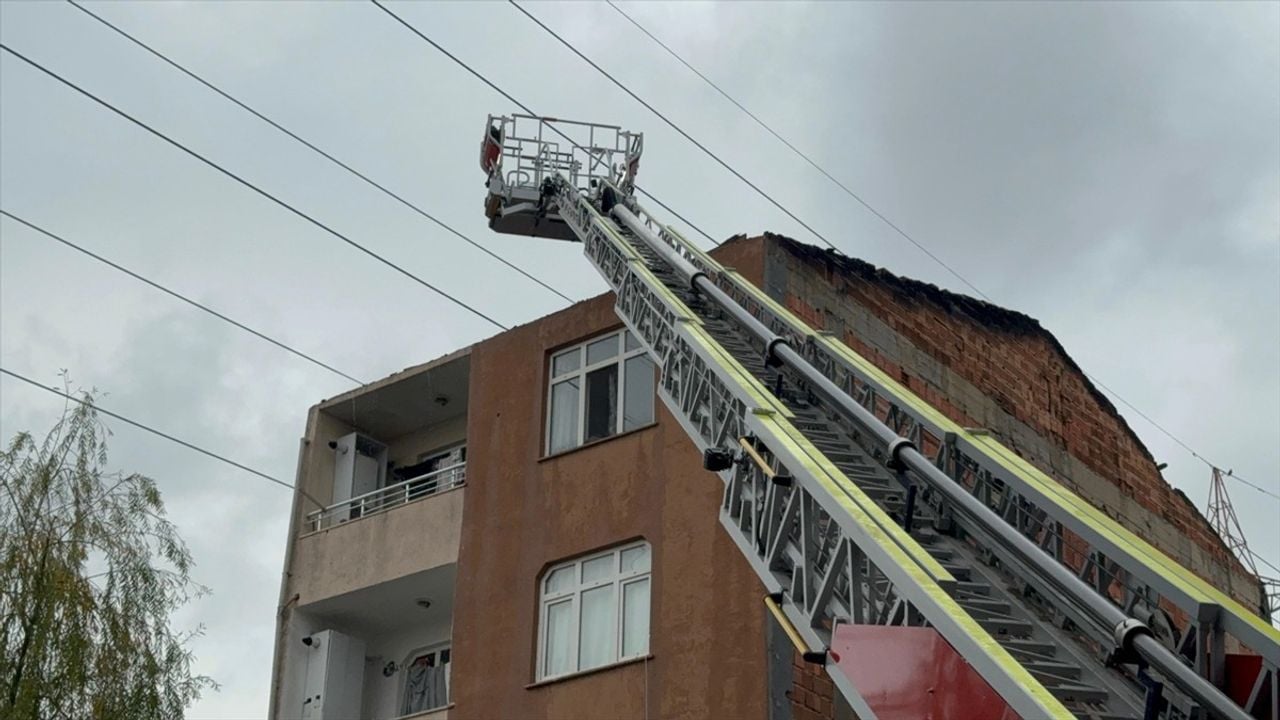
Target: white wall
column 405, row 449
column 381, row 700
column 294, row 666
column 382, row 695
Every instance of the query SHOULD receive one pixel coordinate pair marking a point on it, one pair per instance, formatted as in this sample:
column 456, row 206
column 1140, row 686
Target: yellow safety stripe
column 682, row 311
column 759, row 396
column 817, row 464
column 1172, row 571
column 1052, row 707
column 1189, row 582
column 903, row 550
column 607, row 226
column 693, row 249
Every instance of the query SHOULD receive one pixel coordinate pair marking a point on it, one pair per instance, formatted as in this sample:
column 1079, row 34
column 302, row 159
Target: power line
column 479, row 76
column 166, row 436
column 180, row 296
column 675, row 127
column 314, row 148
column 1264, row 561
column 249, row 185
column 528, row 110
column 509, row 98
column 681, row 218
column 1175, row 438
column 797, row 151
column 868, row 207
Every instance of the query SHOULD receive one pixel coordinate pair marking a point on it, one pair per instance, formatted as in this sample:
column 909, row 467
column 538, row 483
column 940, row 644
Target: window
column 426, row 681
column 599, row 388
column 594, row 611
column 433, row 472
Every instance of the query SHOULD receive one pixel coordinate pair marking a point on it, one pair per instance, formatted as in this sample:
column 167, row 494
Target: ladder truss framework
column 824, row 548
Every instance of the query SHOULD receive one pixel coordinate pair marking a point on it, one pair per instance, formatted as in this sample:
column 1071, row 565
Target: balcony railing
column 382, row 499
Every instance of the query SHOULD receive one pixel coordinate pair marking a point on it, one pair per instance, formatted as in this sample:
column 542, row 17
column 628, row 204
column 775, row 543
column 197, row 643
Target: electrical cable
column 509, row 98
column 180, row 296
column 851, row 194
column 250, row 185
column 676, row 127
column 681, row 218
column 314, row 148
column 802, row 155
column 1177, row 440
column 526, row 108
column 160, row 433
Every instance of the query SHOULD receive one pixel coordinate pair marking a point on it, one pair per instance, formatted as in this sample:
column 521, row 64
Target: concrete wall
column 316, row 476
column 985, row 366
column 406, row 539
column 409, row 538
column 291, row 666
column 381, row 695
column 405, row 450
column 523, row 514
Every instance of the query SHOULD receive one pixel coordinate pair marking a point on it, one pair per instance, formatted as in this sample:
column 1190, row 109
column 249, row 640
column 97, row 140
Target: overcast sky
column 1111, row 170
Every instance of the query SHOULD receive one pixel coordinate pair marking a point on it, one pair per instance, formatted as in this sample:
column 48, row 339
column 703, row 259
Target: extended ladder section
column 861, row 507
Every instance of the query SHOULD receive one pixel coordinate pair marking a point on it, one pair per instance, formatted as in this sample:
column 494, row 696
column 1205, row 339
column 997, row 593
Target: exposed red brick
column 1007, row 356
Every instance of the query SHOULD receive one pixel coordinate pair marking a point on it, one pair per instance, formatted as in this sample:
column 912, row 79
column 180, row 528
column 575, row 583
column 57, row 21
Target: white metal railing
column 377, row 501
column 535, row 148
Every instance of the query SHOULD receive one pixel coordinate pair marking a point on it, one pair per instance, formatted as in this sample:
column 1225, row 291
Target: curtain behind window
column 425, row 686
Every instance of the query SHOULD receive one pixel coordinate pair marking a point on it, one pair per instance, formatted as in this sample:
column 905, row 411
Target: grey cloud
column 1112, row 170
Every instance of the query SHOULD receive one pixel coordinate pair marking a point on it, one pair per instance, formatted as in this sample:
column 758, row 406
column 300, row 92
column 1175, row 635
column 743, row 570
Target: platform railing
column 589, row 152
column 382, row 499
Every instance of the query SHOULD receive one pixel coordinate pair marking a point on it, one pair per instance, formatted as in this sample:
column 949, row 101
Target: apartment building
column 521, row 529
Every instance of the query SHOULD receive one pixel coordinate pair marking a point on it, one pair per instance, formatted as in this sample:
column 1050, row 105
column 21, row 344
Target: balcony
column 383, row 499
column 392, row 543
column 381, row 653
column 384, row 472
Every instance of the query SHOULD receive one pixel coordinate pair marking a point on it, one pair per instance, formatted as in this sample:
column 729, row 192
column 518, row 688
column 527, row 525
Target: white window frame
column 581, row 372
column 619, row 580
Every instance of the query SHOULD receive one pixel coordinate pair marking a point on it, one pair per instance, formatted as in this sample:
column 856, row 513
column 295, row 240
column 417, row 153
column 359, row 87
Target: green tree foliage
column 90, row 572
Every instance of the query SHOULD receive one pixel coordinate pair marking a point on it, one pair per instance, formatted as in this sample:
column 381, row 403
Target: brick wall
column 812, row 694
column 985, row 366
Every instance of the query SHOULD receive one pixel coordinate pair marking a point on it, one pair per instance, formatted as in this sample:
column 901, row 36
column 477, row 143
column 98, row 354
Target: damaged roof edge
column 444, row 359
column 395, row 377
column 985, row 313
column 981, row 311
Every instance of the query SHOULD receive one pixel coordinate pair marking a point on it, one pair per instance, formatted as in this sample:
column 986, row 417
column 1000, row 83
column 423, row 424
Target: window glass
column 560, row 580
column 602, row 403
column 602, row 350
column 559, row 638
column 635, row 559
column 565, row 362
column 598, row 569
column 635, row 618
column 599, row 628
column 596, row 390
column 564, row 415
column 595, row 611
column 637, row 406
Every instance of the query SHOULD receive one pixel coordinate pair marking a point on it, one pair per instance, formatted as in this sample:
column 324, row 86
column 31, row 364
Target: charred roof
column 981, row 312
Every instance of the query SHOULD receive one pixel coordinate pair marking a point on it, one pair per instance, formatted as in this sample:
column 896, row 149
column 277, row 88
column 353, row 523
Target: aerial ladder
column 930, row 570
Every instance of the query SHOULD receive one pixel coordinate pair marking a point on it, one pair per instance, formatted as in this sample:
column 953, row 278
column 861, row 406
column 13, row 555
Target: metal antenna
column 1222, row 517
